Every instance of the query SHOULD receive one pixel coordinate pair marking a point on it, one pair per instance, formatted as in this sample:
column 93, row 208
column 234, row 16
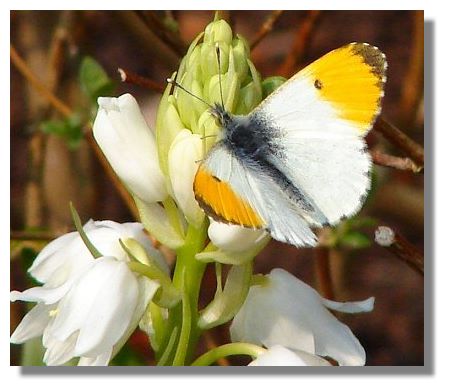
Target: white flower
column 183, row 160
column 233, row 238
column 130, row 147
column 285, row 311
column 278, row 355
column 87, row 307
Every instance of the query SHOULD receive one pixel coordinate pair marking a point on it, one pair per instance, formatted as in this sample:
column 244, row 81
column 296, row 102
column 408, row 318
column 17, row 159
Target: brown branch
column 157, row 27
column 412, row 90
column 135, row 79
column 400, row 140
column 399, row 246
column 323, row 272
column 303, row 34
column 399, row 163
column 266, row 28
column 28, row 74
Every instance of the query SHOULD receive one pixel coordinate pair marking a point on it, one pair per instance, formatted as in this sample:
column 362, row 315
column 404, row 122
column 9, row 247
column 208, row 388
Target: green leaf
column 69, row 129
column 94, row 80
column 28, row 255
column 355, row 240
column 363, row 222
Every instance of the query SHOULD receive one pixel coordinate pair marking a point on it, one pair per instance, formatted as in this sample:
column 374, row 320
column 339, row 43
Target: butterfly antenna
column 217, row 48
column 176, row 84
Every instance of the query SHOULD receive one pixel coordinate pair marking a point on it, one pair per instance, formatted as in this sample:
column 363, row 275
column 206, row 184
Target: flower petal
column 111, row 313
column 183, row 160
column 278, row 355
column 234, row 238
column 59, row 352
column 42, row 294
column 48, row 260
column 350, row 307
column 33, row 324
column 298, row 320
column 98, row 361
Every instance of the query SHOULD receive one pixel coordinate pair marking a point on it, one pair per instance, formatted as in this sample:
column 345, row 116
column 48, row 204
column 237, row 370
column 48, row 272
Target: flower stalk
column 230, row 349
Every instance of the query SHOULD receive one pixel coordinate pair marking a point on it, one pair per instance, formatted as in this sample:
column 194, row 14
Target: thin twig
column 302, row 38
column 399, row 246
column 266, row 28
column 323, row 273
column 34, row 236
column 157, row 27
column 399, row 163
column 400, row 140
column 57, row 50
column 28, row 74
column 124, row 194
column 127, row 76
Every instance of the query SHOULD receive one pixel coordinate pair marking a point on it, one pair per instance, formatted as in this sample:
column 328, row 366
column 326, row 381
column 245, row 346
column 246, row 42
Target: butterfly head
column 220, row 114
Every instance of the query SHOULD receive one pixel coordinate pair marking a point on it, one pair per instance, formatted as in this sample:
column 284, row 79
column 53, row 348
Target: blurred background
column 74, row 55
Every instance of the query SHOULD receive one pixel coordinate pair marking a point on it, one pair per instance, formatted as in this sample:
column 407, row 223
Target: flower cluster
column 87, row 307
column 100, row 282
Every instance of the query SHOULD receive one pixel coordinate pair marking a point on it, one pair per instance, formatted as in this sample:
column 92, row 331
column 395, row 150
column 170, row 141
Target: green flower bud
column 271, row 84
column 198, row 73
column 218, row 31
column 240, row 51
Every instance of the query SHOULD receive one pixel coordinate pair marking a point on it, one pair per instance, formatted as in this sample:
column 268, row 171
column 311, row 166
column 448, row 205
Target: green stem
column 184, row 336
column 230, row 349
column 171, row 342
column 187, row 279
column 79, row 227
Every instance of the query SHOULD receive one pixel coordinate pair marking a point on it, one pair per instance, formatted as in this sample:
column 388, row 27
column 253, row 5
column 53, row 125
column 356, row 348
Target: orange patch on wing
column 219, row 200
column 352, row 79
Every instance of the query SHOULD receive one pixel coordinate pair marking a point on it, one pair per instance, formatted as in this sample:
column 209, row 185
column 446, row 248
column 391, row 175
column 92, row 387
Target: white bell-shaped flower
column 285, row 311
column 279, row 356
column 130, row 147
column 87, row 307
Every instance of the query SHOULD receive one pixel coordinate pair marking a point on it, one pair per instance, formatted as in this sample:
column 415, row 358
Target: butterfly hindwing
column 254, row 194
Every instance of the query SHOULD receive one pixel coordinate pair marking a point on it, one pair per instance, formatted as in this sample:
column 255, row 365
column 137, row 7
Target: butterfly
column 299, row 159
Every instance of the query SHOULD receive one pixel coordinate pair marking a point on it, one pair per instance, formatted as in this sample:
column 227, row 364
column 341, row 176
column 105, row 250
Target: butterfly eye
column 217, row 117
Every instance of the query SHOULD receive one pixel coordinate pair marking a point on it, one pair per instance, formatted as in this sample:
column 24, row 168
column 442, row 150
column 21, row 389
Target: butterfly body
column 299, row 159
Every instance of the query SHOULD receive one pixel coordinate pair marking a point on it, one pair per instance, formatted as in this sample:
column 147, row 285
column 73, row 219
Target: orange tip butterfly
column 299, row 159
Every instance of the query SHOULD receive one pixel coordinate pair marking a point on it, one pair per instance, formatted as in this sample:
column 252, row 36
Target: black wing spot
column 318, row 84
column 217, row 179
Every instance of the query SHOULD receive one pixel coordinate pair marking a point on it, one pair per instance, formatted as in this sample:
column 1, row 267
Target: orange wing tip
column 218, row 200
column 373, row 57
column 352, row 80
